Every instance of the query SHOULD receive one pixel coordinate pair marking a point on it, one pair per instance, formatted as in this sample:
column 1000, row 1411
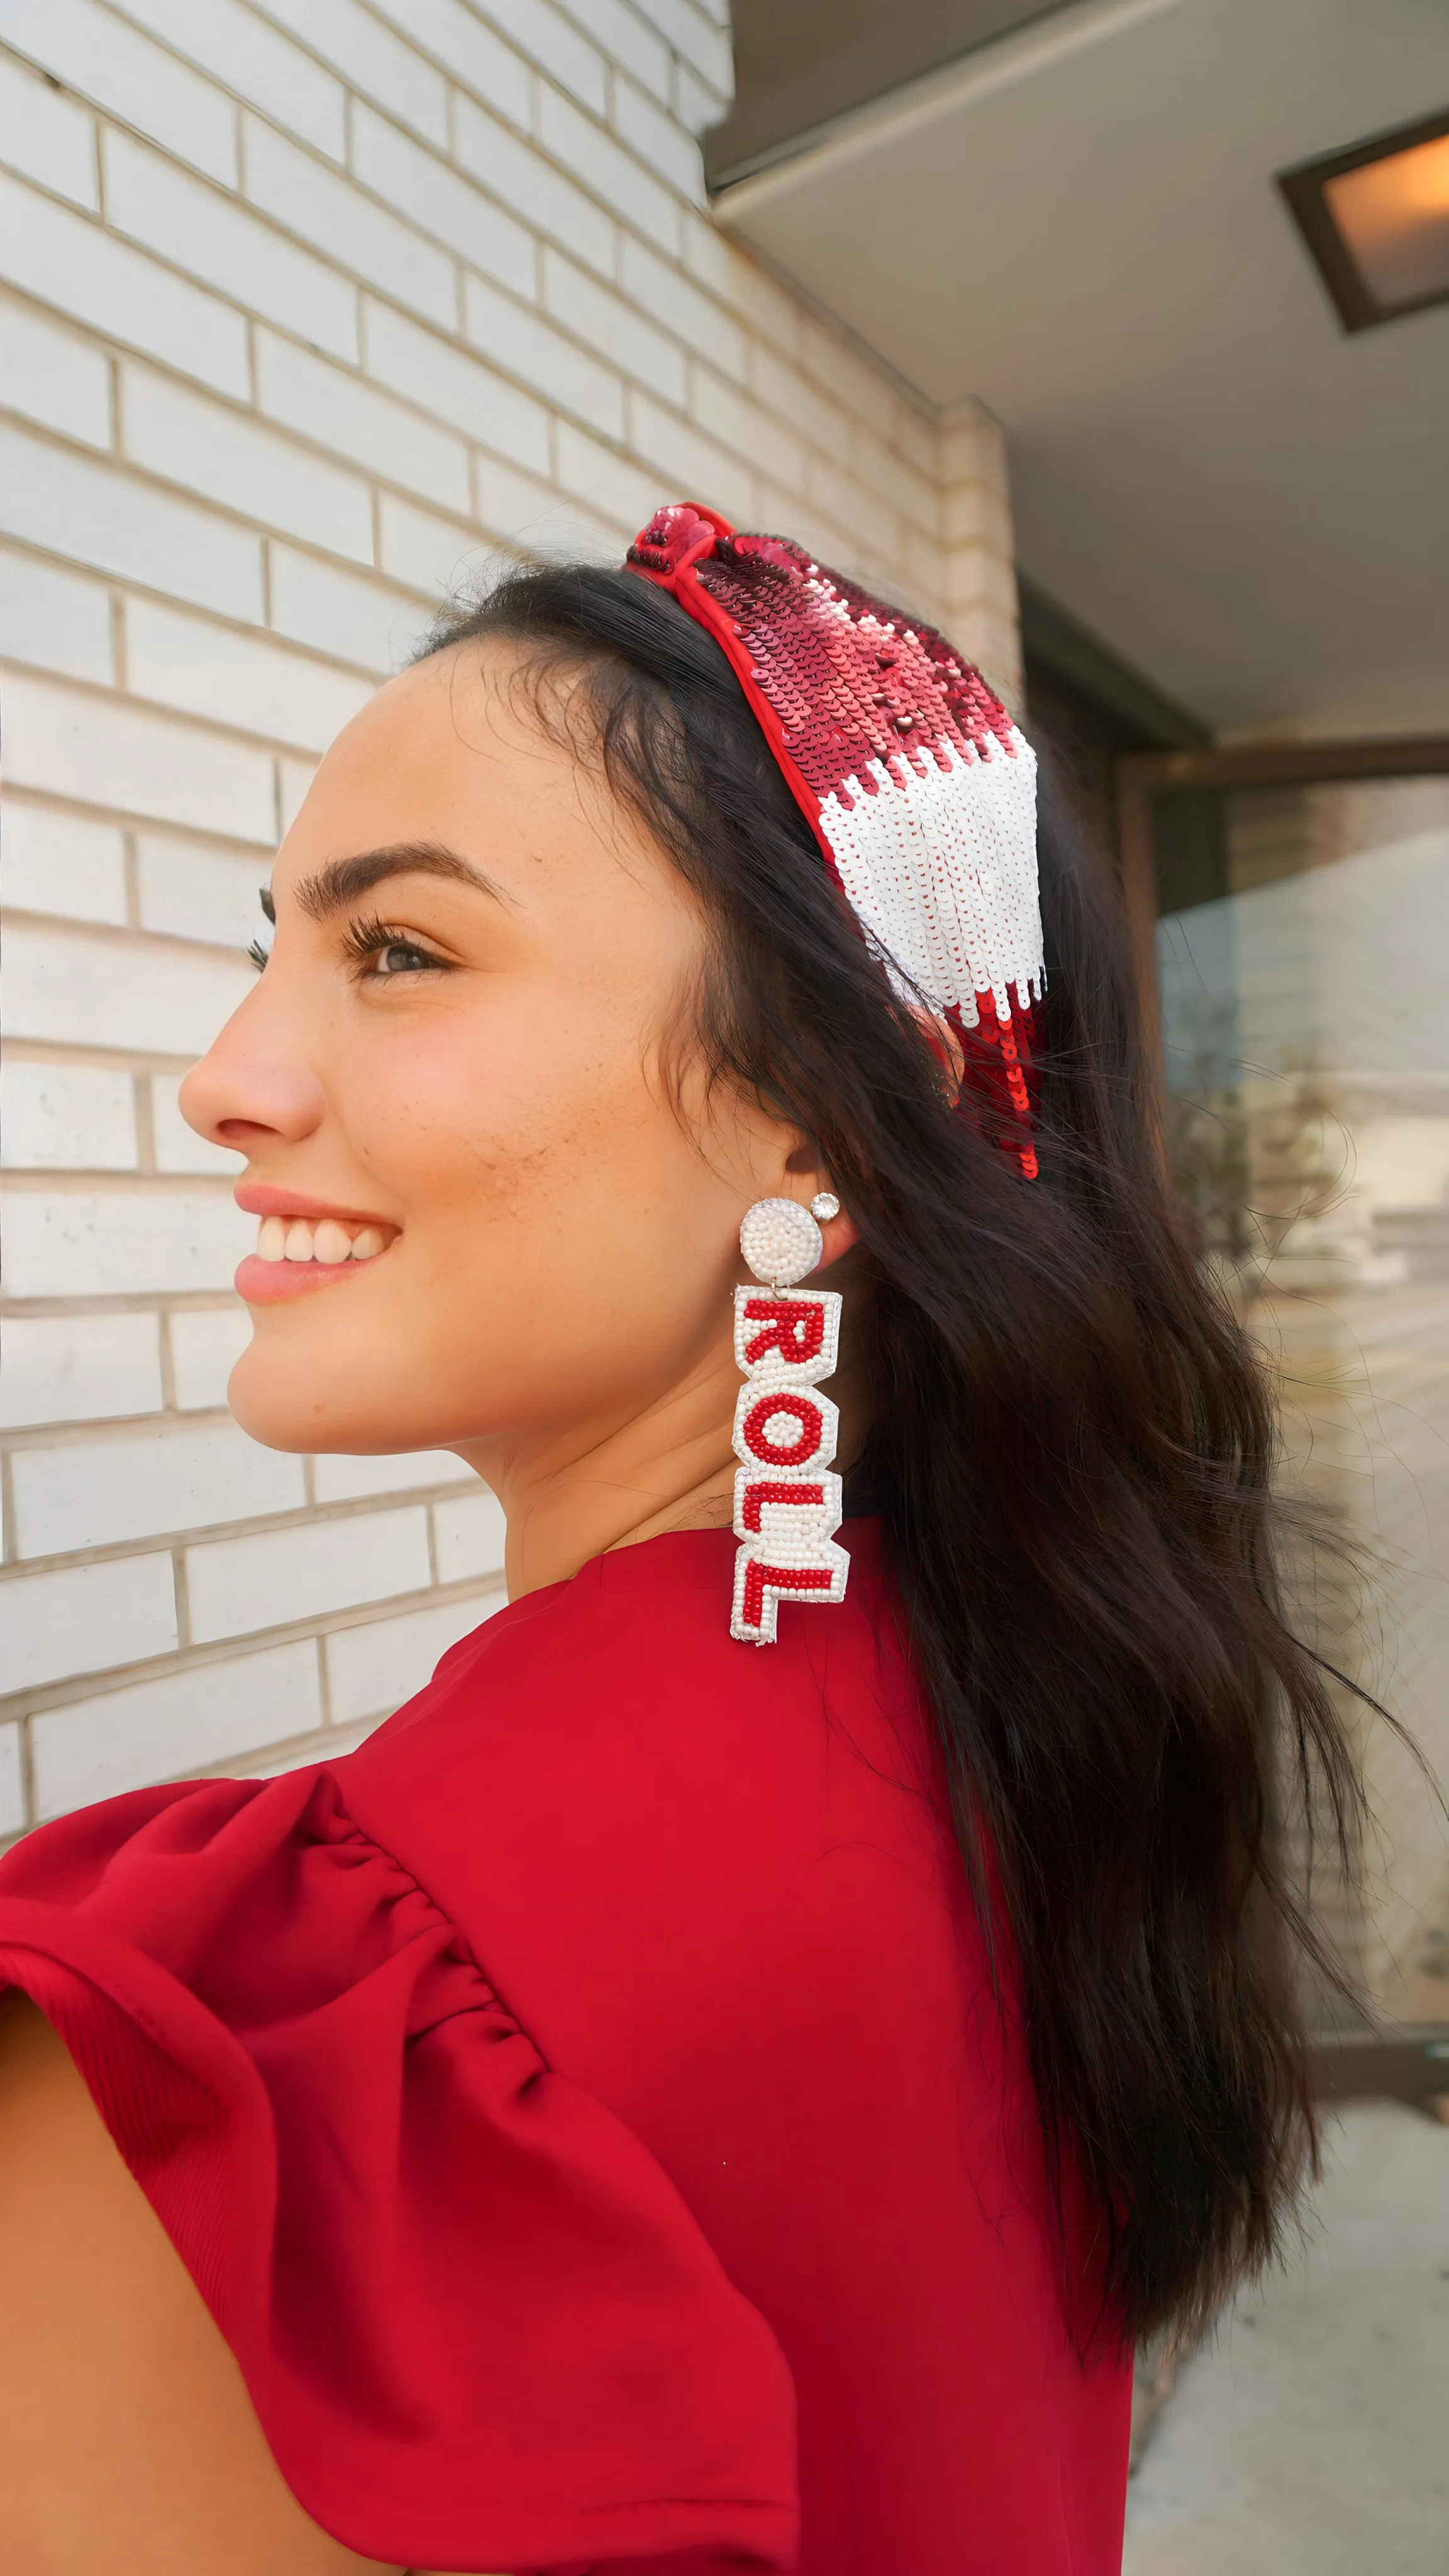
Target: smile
column 298, row 1254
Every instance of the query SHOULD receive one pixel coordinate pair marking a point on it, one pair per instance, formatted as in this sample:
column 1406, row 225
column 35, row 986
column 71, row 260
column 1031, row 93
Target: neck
column 574, row 1492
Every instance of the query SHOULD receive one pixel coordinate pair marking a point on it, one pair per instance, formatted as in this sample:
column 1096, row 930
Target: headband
column 915, row 782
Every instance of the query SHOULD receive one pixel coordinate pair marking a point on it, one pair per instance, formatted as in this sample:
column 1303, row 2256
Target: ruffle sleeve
column 478, row 2324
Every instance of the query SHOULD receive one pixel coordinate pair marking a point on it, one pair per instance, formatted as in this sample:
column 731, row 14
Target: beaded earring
column 787, row 1504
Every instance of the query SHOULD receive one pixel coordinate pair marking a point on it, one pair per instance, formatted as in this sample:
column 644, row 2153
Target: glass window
column 1303, row 962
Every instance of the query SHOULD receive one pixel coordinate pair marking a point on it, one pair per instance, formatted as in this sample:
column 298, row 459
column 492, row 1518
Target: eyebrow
column 343, row 881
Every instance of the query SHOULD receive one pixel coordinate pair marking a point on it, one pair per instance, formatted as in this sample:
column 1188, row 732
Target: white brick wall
column 304, row 305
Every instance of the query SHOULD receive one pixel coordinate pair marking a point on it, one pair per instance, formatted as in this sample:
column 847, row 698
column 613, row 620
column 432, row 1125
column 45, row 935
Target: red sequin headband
column 917, row 785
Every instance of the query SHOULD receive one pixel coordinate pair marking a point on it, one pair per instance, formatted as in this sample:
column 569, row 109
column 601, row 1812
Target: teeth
column 295, row 1238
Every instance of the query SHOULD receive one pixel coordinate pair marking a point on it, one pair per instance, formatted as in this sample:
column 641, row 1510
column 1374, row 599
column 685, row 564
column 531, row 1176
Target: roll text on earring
column 787, row 1505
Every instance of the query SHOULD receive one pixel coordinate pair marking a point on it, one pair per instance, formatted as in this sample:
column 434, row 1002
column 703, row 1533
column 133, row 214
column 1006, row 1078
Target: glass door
column 1301, row 950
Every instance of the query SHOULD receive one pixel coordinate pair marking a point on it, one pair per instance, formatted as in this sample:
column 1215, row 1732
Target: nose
column 252, row 1084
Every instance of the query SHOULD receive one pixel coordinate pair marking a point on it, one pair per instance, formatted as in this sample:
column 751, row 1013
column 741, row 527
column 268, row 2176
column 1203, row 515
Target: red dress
column 585, row 2113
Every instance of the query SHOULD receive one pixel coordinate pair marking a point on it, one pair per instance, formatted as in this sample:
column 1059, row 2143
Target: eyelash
column 362, row 940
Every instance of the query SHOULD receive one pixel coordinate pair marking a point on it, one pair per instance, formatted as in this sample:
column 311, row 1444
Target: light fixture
column 1376, row 218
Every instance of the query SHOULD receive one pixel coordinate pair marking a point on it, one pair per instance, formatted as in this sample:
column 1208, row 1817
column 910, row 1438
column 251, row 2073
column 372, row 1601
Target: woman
column 720, row 2079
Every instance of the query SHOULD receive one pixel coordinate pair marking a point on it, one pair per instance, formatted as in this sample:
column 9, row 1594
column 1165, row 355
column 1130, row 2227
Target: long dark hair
column 1071, row 1444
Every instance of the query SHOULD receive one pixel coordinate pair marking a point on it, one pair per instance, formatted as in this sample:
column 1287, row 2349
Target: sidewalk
column 1311, row 2437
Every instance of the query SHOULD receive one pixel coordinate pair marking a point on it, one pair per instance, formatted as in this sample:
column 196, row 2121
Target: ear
column 838, row 1233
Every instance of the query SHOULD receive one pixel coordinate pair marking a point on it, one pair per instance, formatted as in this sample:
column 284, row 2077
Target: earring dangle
column 787, row 1504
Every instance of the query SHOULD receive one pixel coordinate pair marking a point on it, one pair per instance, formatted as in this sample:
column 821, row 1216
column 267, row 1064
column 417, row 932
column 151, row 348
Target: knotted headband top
column 916, row 783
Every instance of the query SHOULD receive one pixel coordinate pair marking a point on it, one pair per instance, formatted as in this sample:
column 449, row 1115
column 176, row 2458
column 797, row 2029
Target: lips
column 297, row 1254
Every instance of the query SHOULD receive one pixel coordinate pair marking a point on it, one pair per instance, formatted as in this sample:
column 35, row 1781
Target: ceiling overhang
column 1076, row 222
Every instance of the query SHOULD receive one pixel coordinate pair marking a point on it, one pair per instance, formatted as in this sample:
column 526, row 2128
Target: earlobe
column 839, row 1235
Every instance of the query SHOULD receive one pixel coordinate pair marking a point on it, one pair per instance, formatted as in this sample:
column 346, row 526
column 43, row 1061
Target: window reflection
column 1303, row 957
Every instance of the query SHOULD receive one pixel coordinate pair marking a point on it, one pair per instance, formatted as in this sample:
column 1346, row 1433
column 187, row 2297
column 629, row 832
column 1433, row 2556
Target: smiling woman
column 716, row 2082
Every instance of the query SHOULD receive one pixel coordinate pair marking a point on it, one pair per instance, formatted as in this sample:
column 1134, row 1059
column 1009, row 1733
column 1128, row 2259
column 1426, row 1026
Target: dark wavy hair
column 1071, row 1444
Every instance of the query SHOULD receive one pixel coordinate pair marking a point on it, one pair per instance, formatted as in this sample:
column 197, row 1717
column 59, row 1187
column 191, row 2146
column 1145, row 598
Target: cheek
column 534, row 1126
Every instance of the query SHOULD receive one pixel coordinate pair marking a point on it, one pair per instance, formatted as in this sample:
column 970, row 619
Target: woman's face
column 455, row 1056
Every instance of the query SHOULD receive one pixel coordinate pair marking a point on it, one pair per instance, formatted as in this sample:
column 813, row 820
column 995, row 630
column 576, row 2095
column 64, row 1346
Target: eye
column 382, row 952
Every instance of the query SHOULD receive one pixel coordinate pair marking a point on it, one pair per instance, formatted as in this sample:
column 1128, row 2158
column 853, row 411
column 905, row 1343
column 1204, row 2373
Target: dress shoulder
column 478, row 2324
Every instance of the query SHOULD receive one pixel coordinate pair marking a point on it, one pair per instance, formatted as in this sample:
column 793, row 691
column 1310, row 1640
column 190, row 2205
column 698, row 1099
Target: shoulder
column 622, row 1696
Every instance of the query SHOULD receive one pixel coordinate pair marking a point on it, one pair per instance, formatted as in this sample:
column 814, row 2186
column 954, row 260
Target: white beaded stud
column 825, row 1205
column 781, row 1242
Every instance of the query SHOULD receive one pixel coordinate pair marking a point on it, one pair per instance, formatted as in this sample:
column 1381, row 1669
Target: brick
column 68, row 1118
column 91, row 1493
column 99, row 56
column 85, row 988
column 701, row 36
column 172, row 1727
column 238, row 1585
column 886, row 474
column 214, row 238
column 529, row 514
column 101, row 516
column 785, row 389
column 464, row 392
column 557, row 48
column 248, row 57
column 352, row 419
column 328, row 210
column 428, row 554
column 371, row 59
column 697, row 104
column 763, row 307
column 193, row 893
column 627, row 42
column 373, row 1669
column 513, row 338
column 79, row 1368
column 541, row 196
column 442, row 201
column 178, row 1148
column 53, row 377
column 608, row 170
column 54, row 619
column 63, row 863
column 206, row 1343
column 868, row 520
column 84, row 1619
column 237, row 679
column 683, row 308
column 917, row 438
column 694, row 465
column 294, row 777
column 345, row 1480
column 12, row 1787
column 123, row 1243
column 976, row 514
column 47, row 138
column 469, row 1532
column 457, row 39
column 186, row 438
column 660, row 141
column 625, row 492
column 866, row 394
column 333, row 611
column 66, row 261
column 124, row 757
column 753, row 433
column 614, row 327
